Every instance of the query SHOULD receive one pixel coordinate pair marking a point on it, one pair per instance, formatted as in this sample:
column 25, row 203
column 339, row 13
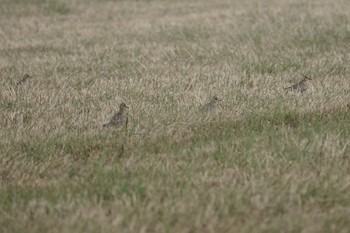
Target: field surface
column 265, row 160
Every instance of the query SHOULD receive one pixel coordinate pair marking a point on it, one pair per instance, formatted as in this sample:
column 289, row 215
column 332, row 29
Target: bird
column 301, row 86
column 119, row 119
column 211, row 105
column 24, row 80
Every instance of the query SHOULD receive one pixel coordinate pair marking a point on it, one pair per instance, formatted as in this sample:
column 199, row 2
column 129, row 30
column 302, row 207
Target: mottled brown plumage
column 301, row 86
column 24, row 80
column 211, row 105
column 119, row 119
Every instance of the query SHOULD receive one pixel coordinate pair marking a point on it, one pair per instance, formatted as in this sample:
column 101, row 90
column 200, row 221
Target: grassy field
column 265, row 161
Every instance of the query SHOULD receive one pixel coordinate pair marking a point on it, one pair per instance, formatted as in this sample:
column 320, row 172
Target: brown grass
column 267, row 161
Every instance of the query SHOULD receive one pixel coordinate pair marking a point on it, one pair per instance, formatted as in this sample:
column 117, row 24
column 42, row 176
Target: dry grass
column 267, row 161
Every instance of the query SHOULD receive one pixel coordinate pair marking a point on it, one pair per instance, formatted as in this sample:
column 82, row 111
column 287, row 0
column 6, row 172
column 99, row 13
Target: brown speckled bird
column 301, row 86
column 24, row 80
column 211, row 105
column 119, row 119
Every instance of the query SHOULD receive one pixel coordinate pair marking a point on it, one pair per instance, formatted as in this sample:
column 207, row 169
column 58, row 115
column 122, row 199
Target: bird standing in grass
column 24, row 80
column 119, row 119
column 301, row 86
column 211, row 105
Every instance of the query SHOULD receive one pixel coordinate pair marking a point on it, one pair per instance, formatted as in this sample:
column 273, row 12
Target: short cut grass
column 266, row 161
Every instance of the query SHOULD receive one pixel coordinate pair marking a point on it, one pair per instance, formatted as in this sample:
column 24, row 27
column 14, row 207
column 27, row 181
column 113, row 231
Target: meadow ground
column 267, row 161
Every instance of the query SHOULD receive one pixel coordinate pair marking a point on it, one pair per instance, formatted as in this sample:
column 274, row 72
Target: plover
column 301, row 86
column 211, row 105
column 119, row 119
column 24, row 80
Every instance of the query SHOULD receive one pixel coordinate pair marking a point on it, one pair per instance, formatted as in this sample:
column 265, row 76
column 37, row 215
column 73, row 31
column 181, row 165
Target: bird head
column 306, row 78
column 215, row 98
column 122, row 107
column 26, row 76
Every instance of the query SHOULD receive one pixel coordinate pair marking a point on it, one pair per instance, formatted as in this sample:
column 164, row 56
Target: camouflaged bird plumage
column 301, row 86
column 211, row 105
column 119, row 119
